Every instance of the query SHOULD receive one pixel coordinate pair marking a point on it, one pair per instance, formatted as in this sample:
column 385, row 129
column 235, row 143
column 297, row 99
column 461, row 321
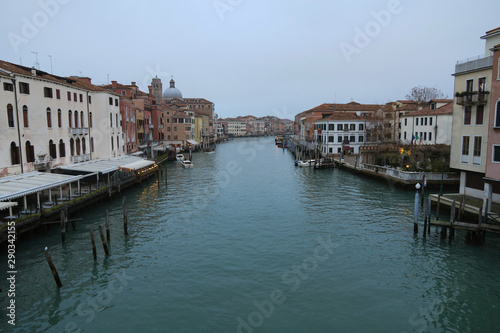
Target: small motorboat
column 309, row 163
column 179, row 157
column 186, row 164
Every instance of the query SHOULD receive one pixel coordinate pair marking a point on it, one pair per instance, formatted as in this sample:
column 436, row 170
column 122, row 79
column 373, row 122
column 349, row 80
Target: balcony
column 469, row 65
column 472, row 97
column 79, row 131
column 80, row 158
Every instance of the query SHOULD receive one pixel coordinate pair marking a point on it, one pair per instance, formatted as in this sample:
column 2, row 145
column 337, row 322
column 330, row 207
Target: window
column 331, row 127
column 425, row 136
column 90, row 119
column 62, row 149
column 497, row 115
column 25, row 116
column 479, row 114
column 90, row 99
column 404, row 135
column 116, row 101
column 30, row 152
column 92, row 145
column 8, row 86
column 15, row 156
column 467, row 115
column 406, row 121
column 24, row 88
column 425, row 121
column 82, row 124
column 81, row 98
column 469, row 84
column 52, row 149
column 76, row 119
column 49, row 118
column 110, row 119
column 339, row 127
column 58, row 94
column 331, row 139
column 69, row 95
column 352, row 127
column 84, row 146
column 47, row 92
column 112, row 144
column 465, row 149
column 75, row 95
column 111, row 101
column 59, row 118
column 496, row 153
column 72, row 146
column 416, row 122
column 77, row 143
column 430, row 136
column 10, row 115
column 430, row 121
column 476, row 153
column 352, row 138
column 361, row 138
column 70, row 121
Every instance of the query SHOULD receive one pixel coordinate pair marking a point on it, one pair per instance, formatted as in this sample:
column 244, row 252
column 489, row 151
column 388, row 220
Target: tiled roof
column 493, row 30
column 352, row 106
column 345, row 116
column 444, row 110
column 442, row 100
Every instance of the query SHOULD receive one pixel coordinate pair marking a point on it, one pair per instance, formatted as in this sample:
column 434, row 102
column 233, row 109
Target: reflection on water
column 210, row 248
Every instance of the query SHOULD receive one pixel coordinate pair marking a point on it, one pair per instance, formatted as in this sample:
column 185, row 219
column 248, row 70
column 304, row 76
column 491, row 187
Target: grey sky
column 260, row 57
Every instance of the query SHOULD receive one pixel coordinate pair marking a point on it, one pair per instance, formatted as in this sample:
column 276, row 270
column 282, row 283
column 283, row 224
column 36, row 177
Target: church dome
column 172, row 92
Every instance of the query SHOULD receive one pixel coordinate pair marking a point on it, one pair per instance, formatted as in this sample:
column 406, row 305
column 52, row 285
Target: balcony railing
column 474, row 65
column 80, row 158
column 472, row 97
column 79, row 131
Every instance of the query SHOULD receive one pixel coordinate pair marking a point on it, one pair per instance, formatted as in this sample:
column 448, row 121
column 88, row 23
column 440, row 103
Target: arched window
column 112, row 145
column 78, row 146
column 72, row 146
column 30, row 152
column 76, row 119
column 52, row 149
column 84, row 148
column 10, row 115
column 92, row 145
column 25, row 116
column 59, row 118
column 110, row 120
column 15, row 155
column 117, row 120
column 49, row 118
column 82, row 123
column 62, row 148
column 90, row 119
column 70, row 120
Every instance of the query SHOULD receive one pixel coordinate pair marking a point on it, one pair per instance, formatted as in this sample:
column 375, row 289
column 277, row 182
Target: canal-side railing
column 410, row 176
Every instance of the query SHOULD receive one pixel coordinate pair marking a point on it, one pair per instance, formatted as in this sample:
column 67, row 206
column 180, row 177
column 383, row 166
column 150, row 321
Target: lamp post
column 415, row 222
column 443, row 160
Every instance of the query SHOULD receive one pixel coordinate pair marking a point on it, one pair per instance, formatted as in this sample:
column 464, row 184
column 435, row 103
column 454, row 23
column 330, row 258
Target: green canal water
column 247, row 242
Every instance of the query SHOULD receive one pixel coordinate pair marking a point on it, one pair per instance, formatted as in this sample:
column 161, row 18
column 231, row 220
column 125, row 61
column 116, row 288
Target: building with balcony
column 51, row 120
column 472, row 118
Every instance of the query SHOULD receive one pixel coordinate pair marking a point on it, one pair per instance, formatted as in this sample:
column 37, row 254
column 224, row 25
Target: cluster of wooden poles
column 104, row 239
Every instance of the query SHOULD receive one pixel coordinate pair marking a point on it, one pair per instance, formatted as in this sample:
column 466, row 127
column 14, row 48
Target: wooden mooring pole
column 452, row 221
column 108, row 235
column 92, row 240
column 429, row 203
column 53, row 268
column 63, row 227
column 103, row 240
column 425, row 219
column 124, row 213
column 437, row 206
column 415, row 221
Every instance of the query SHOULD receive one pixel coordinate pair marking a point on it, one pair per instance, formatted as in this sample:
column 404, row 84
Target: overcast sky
column 260, row 57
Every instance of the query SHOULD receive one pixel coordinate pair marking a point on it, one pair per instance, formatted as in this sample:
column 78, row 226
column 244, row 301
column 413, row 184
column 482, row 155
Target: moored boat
column 187, row 164
column 179, row 157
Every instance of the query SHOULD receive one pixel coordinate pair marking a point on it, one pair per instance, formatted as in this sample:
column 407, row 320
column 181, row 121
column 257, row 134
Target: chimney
column 113, row 84
column 33, row 71
column 133, row 83
column 150, row 88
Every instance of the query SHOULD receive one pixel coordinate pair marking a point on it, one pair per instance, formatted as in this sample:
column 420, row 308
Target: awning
column 102, row 166
column 7, row 205
column 194, row 143
column 138, row 165
column 12, row 187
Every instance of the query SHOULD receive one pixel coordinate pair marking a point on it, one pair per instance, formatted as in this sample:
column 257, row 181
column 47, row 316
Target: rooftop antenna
column 108, row 79
column 20, row 61
column 50, row 63
column 37, row 65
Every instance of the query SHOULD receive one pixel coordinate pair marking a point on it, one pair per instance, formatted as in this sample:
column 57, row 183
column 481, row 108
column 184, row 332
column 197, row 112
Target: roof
column 441, row 100
column 12, row 187
column 7, row 205
column 444, row 110
column 345, row 116
column 138, row 165
column 352, row 106
column 101, row 165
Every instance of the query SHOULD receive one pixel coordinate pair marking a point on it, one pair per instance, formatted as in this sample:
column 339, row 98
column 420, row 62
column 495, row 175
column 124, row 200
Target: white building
column 429, row 126
column 50, row 120
column 236, row 128
column 341, row 131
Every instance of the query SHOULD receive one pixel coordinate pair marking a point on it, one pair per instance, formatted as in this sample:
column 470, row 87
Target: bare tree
column 425, row 94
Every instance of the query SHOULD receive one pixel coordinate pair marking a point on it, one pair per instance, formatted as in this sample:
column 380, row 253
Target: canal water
column 247, row 242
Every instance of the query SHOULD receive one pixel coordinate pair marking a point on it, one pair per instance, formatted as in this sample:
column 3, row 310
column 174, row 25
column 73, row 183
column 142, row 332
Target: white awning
column 138, row 165
column 102, row 166
column 7, row 205
column 12, row 187
column 194, row 143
